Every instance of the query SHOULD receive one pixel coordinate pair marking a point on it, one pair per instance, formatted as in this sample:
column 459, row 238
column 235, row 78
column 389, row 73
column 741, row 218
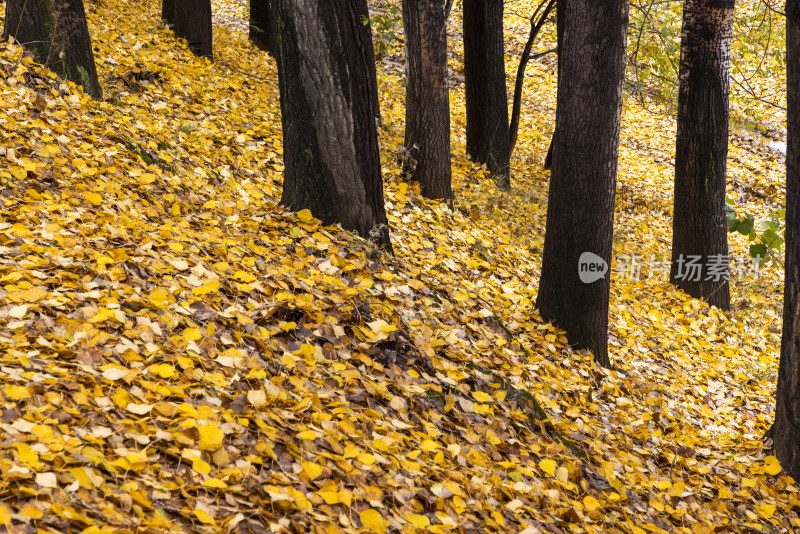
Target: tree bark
column 548, row 159
column 427, row 133
column 485, row 87
column 516, row 111
column 580, row 208
column 262, row 26
column 168, row 12
column 699, row 230
column 57, row 34
column 193, row 23
column 328, row 100
column 786, row 430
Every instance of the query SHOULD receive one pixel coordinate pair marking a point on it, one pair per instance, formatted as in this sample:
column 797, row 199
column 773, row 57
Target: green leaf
column 759, row 250
column 746, row 225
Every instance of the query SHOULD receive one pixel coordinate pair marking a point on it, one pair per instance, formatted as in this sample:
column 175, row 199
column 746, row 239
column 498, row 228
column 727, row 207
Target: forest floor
column 179, row 353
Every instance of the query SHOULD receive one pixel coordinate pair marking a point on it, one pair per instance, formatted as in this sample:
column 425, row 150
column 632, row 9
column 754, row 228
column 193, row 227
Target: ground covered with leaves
column 178, row 353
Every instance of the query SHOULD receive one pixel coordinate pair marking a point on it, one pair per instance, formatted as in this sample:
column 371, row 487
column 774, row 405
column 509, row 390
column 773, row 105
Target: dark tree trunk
column 786, row 430
column 485, row 87
column 168, row 12
column 57, row 34
column 580, row 207
column 548, row 159
column 262, row 26
column 699, row 230
column 428, row 96
column 328, row 101
column 536, row 26
column 193, row 23
column 368, row 51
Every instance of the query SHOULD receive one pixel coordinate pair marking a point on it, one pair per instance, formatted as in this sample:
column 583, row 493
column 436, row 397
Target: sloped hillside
column 178, row 353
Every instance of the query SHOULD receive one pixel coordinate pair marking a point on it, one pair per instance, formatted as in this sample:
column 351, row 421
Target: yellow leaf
column 429, row 445
column 215, row 483
column 159, row 297
column 480, row 396
column 147, row 178
column 548, row 466
column 103, row 315
column 201, row 466
column 765, row 510
column 27, row 456
column 192, row 334
column 15, row 393
column 418, row 520
column 312, row 469
column 662, row 484
column 772, row 465
column 329, row 495
column 203, row 516
column 562, row 474
column 211, row 437
column 590, row 503
column 94, row 198
column 366, row 458
column 305, row 216
column 372, row 521
column 163, row 370
column 725, row 493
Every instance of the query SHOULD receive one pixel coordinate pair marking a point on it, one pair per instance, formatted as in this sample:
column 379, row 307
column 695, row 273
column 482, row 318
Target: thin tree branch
column 536, row 26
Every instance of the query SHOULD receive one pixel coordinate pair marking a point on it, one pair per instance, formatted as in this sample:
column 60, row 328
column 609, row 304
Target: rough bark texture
column 168, row 12
column 262, row 26
column 327, row 108
column 580, row 208
column 57, row 34
column 786, row 437
column 485, row 87
column 427, row 96
column 193, row 23
column 698, row 228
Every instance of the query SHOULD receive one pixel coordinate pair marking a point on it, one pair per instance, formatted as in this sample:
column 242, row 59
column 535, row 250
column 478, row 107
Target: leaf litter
column 179, row 353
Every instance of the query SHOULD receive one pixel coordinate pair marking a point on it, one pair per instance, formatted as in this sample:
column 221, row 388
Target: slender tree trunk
column 368, row 53
column 428, row 96
column 580, row 208
column 786, row 437
column 485, row 87
column 193, row 23
column 548, row 159
column 57, row 34
column 168, row 12
column 699, row 230
column 516, row 111
column 327, row 107
column 262, row 26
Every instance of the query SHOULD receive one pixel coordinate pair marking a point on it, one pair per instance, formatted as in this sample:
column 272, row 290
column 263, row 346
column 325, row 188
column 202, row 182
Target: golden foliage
column 179, row 353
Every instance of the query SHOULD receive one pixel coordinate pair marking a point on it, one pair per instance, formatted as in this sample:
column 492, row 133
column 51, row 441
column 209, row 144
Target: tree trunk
column 786, row 437
column 428, row 97
column 193, row 23
column 516, row 111
column 168, row 12
column 262, row 26
column 485, row 87
column 57, row 34
column 327, row 108
column 548, row 159
column 699, row 230
column 580, row 208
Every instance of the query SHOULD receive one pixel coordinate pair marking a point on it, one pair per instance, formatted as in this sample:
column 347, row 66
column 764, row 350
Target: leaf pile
column 178, row 353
